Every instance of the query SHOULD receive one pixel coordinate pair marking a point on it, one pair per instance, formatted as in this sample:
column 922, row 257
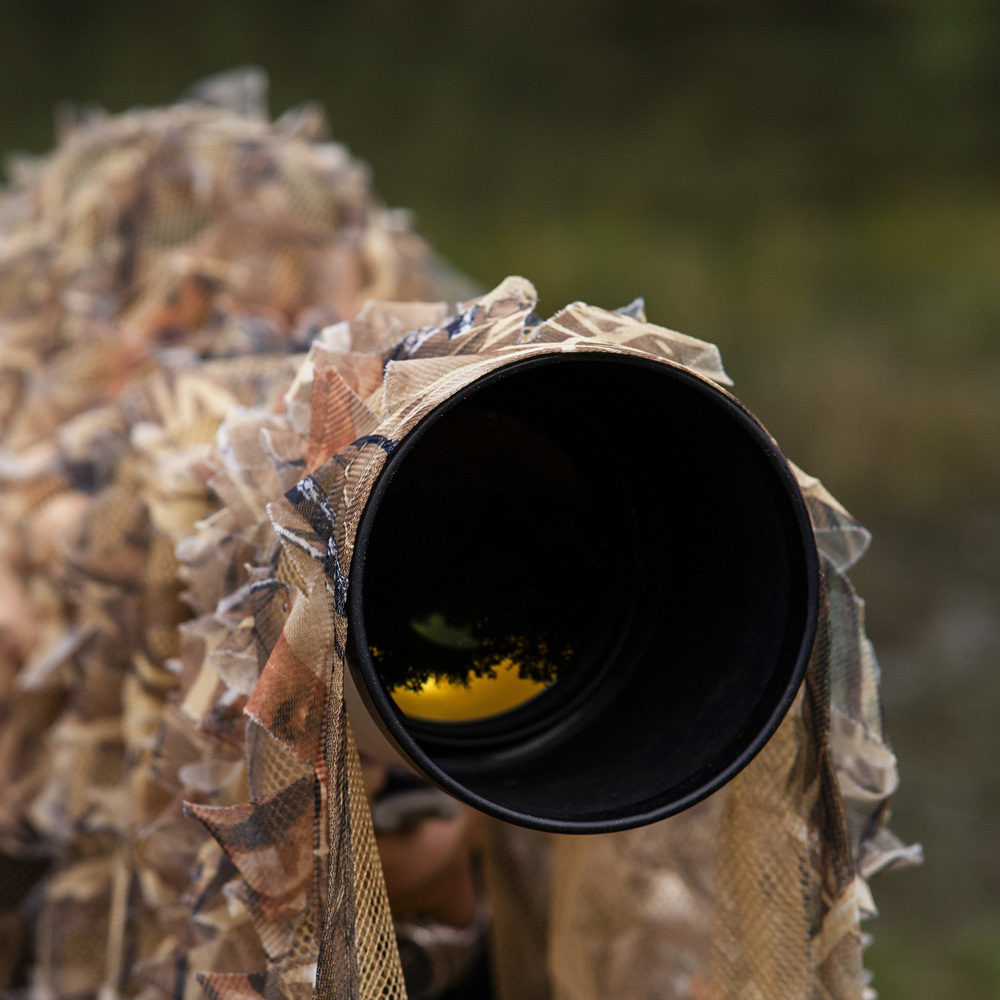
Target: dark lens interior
column 485, row 583
column 624, row 535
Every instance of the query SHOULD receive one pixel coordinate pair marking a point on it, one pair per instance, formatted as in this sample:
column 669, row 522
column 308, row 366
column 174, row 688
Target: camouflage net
column 183, row 807
column 158, row 273
column 757, row 892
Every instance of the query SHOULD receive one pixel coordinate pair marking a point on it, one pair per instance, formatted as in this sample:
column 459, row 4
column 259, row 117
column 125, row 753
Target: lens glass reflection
column 486, row 561
column 471, row 674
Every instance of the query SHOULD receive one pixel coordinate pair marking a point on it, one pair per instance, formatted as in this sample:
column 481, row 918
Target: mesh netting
column 380, row 975
column 759, row 891
column 181, row 491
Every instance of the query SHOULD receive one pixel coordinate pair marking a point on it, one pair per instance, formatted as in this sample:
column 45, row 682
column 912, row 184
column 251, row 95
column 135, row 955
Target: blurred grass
column 814, row 189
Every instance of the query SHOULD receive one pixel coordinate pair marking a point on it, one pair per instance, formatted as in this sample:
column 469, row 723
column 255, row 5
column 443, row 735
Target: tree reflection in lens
column 475, row 674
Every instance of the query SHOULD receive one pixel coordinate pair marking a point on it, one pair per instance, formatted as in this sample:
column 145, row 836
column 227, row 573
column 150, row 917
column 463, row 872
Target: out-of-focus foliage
column 813, row 188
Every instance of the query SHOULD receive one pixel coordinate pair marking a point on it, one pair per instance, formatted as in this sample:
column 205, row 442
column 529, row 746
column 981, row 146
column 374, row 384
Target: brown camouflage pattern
column 180, row 500
column 158, row 272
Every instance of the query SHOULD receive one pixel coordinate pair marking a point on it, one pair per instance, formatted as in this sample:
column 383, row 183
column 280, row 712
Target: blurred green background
column 813, row 188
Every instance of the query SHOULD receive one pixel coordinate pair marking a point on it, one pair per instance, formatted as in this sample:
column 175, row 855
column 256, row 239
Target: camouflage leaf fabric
column 200, row 381
column 160, row 274
column 759, row 891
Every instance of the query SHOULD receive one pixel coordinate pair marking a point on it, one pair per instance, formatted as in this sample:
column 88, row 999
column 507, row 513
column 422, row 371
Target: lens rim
column 389, row 717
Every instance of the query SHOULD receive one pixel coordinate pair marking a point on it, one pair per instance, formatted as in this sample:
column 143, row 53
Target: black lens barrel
column 625, row 524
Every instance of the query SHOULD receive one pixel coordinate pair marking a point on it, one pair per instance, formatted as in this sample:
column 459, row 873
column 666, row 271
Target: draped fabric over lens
column 199, row 385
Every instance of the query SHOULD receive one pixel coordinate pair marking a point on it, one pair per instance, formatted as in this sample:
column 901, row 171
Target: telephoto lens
column 583, row 592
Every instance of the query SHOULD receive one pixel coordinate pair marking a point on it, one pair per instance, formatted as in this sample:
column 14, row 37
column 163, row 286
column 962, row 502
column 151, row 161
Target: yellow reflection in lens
column 441, row 700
